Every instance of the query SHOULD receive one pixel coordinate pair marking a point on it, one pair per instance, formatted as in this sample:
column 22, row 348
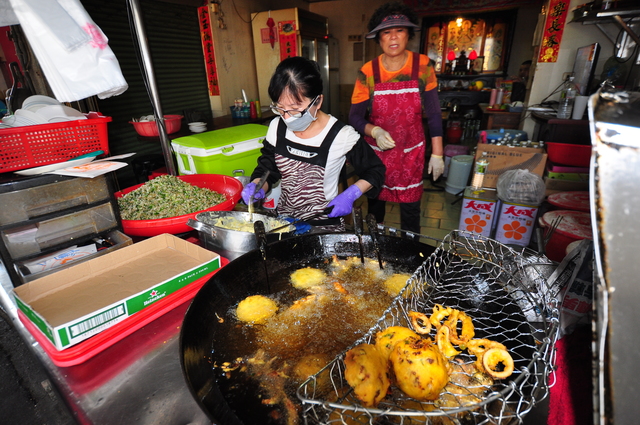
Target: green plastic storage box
column 232, row 151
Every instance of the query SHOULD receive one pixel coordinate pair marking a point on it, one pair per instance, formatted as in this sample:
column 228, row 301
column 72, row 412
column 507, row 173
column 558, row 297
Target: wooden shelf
column 499, row 119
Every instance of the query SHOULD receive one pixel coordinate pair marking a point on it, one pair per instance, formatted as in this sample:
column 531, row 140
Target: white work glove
column 436, row 166
column 383, row 138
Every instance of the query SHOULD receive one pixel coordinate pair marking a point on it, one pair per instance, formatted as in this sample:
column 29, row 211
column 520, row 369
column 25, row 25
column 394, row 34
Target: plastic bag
column 72, row 50
column 521, row 187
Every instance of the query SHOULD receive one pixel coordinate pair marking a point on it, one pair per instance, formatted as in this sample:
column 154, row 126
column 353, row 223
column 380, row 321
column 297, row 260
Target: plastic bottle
column 480, row 170
column 567, row 97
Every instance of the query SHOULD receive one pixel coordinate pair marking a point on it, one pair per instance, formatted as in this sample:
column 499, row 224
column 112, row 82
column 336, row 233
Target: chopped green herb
column 166, row 196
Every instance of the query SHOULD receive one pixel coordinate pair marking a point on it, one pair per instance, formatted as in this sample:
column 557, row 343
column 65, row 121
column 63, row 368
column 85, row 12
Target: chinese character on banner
column 287, row 39
column 553, row 29
column 207, row 49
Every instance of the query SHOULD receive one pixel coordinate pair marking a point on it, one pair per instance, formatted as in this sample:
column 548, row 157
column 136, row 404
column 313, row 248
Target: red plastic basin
column 569, row 154
column 575, row 226
column 150, row 129
column 220, row 183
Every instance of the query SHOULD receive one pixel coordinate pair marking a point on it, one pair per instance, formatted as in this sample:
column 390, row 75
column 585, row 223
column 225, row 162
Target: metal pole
column 149, row 75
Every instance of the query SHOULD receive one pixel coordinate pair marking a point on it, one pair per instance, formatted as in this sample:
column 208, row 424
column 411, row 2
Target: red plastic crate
column 38, row 145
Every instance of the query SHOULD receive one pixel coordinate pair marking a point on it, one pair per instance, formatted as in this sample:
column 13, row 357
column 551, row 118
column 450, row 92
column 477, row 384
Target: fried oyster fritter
column 367, row 373
column 310, row 365
column 388, row 338
column 256, row 309
column 307, row 277
column 394, row 284
column 420, row 369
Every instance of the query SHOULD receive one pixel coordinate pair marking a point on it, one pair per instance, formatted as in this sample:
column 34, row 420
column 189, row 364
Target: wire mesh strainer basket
column 506, row 295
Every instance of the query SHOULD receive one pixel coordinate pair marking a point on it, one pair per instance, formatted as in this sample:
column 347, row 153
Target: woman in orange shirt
column 390, row 95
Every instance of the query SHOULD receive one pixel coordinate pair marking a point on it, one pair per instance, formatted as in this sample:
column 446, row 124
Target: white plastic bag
column 72, row 50
column 521, row 187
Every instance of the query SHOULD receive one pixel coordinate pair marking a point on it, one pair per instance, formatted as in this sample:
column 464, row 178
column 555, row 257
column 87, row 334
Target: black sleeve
column 267, row 162
column 367, row 166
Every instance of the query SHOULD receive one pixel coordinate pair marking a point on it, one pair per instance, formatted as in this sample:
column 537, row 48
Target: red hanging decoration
column 272, row 35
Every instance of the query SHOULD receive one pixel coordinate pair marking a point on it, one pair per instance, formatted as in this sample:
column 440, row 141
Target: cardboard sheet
column 505, row 158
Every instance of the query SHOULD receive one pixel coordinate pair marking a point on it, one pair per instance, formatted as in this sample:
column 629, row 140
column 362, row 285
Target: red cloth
column 570, row 399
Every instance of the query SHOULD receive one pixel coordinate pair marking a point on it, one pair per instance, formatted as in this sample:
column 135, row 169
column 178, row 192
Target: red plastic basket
column 227, row 185
column 38, row 145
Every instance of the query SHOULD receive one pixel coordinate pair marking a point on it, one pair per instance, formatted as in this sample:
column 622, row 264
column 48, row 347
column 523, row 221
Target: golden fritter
column 367, row 373
column 310, row 365
column 395, row 283
column 420, row 369
column 387, row 339
column 307, row 277
column 256, row 309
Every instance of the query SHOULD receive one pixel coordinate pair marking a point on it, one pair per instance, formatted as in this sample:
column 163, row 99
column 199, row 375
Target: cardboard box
column 560, row 185
column 74, row 304
column 505, row 158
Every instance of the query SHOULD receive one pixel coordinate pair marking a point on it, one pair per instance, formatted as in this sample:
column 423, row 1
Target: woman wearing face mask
column 306, row 149
column 390, row 96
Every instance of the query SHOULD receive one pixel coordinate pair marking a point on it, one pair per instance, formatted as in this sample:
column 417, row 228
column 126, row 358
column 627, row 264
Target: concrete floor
column 440, row 211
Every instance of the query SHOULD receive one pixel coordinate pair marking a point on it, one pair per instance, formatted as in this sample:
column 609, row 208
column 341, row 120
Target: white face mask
column 300, row 124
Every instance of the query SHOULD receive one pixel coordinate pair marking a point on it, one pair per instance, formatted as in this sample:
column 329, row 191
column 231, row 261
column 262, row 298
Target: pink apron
column 397, row 108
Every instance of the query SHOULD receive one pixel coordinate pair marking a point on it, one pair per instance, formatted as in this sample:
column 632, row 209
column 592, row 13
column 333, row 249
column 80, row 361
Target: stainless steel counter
column 137, row 380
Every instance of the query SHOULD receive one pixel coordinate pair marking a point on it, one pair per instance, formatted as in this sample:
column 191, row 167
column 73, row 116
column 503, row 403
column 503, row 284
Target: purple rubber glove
column 343, row 203
column 248, row 191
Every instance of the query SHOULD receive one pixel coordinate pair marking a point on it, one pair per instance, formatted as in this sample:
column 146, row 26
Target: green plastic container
column 231, row 151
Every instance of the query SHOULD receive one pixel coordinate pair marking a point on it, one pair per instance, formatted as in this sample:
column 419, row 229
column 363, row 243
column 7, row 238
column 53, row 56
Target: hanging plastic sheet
column 72, row 50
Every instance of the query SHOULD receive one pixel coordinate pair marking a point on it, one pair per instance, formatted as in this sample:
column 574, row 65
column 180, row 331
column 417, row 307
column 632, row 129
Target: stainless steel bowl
column 229, row 243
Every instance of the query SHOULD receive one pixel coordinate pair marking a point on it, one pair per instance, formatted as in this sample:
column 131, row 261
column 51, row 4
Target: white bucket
column 459, row 171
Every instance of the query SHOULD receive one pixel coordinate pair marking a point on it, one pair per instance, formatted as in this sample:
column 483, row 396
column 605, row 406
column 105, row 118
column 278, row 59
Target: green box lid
column 223, row 137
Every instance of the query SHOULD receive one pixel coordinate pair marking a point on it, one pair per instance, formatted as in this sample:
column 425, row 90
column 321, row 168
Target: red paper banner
column 287, row 39
column 553, row 29
column 207, row 49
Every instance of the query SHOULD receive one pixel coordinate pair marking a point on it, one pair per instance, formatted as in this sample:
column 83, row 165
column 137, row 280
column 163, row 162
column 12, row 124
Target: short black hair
column 526, row 62
column 300, row 76
column 393, row 8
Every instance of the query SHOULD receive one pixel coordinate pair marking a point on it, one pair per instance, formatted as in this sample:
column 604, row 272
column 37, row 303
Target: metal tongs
column 325, row 211
column 258, row 187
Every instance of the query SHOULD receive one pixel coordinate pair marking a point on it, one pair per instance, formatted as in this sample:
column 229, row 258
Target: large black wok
column 209, row 334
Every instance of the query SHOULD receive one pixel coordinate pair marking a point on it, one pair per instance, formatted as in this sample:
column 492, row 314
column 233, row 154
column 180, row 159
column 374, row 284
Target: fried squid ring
column 443, row 340
column 420, row 322
column 478, row 347
column 439, row 314
column 493, row 358
column 467, row 329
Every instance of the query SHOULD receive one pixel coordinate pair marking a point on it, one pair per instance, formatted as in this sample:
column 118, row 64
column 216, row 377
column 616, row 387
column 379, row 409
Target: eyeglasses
column 295, row 114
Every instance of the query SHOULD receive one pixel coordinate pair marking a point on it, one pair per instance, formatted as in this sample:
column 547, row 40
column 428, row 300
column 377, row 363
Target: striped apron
column 303, row 174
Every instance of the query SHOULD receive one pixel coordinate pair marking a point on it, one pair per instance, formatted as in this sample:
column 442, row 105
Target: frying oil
column 312, row 327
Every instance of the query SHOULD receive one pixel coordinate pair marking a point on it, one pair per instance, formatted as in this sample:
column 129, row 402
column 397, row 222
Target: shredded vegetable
column 166, row 196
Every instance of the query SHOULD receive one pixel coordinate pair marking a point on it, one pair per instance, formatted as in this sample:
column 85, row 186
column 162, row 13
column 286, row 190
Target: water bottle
column 567, row 97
